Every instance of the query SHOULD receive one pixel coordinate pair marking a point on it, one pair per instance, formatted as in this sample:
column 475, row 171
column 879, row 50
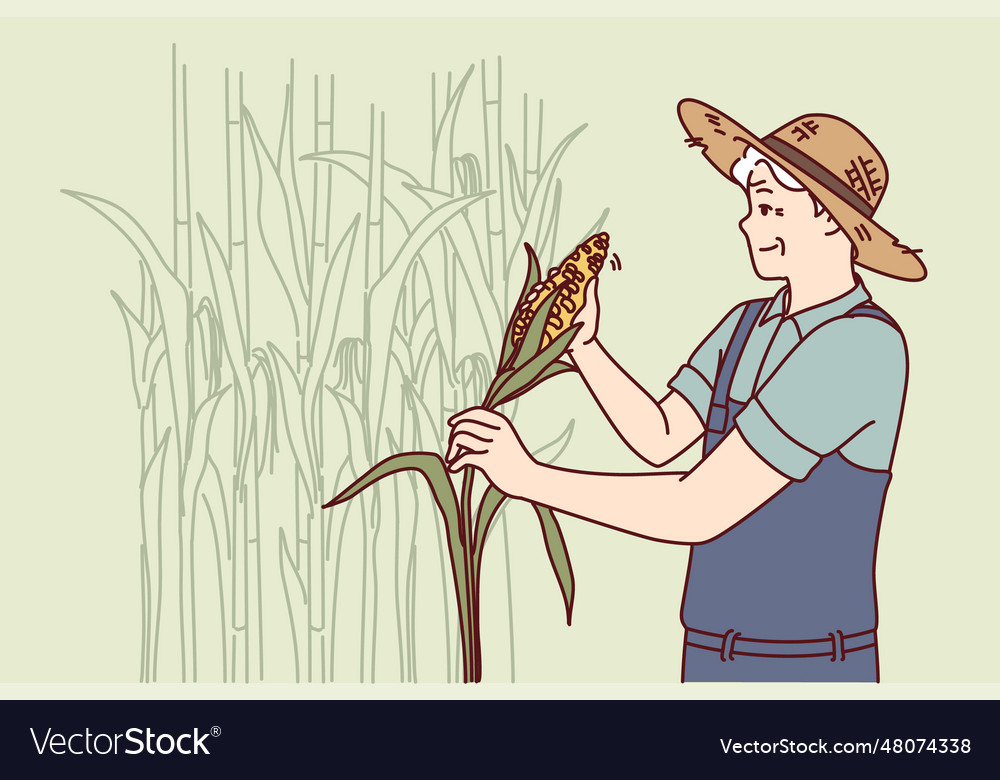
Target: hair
column 744, row 166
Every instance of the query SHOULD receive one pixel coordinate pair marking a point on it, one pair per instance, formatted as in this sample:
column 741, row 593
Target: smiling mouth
column 780, row 245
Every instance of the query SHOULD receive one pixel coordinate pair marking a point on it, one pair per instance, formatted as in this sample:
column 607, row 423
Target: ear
column 830, row 227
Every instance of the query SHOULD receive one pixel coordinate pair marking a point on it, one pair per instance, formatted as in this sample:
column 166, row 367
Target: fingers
column 467, row 459
column 485, row 417
column 469, row 441
column 590, row 293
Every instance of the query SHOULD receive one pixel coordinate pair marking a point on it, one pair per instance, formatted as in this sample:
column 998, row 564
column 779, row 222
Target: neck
column 819, row 286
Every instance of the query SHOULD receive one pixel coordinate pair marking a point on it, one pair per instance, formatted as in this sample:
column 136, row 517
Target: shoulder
column 863, row 349
column 865, row 330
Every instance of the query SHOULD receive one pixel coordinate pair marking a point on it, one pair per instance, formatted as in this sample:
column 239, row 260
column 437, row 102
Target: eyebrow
column 765, row 189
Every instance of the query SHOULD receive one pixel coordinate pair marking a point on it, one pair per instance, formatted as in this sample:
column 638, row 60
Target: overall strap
column 718, row 415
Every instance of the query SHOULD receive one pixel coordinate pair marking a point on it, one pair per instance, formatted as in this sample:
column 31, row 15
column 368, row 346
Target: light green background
column 87, row 106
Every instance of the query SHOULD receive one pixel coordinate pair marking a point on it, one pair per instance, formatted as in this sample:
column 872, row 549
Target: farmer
column 798, row 399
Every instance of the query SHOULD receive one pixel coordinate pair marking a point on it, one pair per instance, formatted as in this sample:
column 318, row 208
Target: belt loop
column 838, row 644
column 727, row 644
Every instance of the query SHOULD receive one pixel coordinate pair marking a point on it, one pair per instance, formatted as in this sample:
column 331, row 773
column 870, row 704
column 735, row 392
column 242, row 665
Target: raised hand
column 588, row 317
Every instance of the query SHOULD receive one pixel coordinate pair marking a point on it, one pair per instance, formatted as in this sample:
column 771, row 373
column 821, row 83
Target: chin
column 766, row 268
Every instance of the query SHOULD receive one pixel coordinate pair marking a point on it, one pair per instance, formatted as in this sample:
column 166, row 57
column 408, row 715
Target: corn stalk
column 337, row 388
column 523, row 366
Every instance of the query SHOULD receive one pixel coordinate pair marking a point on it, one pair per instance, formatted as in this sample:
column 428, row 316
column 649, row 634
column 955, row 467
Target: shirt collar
column 809, row 319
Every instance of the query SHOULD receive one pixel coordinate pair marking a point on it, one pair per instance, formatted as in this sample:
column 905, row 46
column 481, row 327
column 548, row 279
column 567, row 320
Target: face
column 781, row 228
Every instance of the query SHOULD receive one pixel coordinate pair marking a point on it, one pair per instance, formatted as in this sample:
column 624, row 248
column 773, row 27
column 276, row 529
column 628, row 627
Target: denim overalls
column 788, row 594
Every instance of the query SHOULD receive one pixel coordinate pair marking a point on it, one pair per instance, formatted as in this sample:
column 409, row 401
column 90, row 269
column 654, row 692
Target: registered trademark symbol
column 216, row 731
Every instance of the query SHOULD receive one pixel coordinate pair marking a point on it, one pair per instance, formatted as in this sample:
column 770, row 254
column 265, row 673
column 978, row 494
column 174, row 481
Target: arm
column 682, row 508
column 843, row 386
column 656, row 432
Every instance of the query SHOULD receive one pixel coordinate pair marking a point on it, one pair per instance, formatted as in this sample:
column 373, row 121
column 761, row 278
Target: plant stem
column 471, row 619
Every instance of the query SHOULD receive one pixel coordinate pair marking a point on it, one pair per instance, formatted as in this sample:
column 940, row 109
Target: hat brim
column 723, row 141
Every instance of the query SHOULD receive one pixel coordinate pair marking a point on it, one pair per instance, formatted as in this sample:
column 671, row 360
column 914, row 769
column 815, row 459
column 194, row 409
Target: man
column 798, row 398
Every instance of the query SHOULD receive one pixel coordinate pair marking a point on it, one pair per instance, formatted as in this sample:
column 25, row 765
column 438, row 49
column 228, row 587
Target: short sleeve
column 696, row 378
column 845, row 379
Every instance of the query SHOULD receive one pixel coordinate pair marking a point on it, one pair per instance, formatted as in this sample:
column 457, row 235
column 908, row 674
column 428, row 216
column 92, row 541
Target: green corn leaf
column 497, row 386
column 489, row 507
column 428, row 226
column 230, row 321
column 295, row 598
column 290, row 396
column 152, row 519
column 493, row 500
column 171, row 298
column 151, row 368
column 233, row 336
column 531, row 344
column 425, row 429
column 286, row 170
column 394, row 448
column 515, row 389
column 210, row 350
column 597, row 227
column 517, row 200
column 434, row 262
column 387, row 293
column 208, row 517
column 424, row 339
column 214, row 494
column 265, row 400
column 358, row 447
column 522, row 378
column 555, row 546
column 276, row 218
column 325, row 336
column 408, row 210
column 548, row 240
column 443, row 145
column 477, row 308
column 532, row 277
column 535, row 217
column 145, row 350
column 201, row 433
column 431, row 466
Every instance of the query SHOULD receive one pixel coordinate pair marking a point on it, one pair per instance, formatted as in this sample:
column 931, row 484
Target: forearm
column 654, row 506
column 634, row 414
column 683, row 508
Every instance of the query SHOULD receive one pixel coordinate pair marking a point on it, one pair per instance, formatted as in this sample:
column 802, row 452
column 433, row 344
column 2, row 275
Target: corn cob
column 570, row 278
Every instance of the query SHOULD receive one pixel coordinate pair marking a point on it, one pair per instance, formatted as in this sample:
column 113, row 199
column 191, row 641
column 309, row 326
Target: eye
column 764, row 208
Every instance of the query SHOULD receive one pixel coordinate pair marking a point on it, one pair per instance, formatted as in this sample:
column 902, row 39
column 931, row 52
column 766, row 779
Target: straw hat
column 832, row 158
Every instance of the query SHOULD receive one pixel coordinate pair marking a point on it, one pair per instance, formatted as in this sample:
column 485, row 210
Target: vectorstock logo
column 133, row 742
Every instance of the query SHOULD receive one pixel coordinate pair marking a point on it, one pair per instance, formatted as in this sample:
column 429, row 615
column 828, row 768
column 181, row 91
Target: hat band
column 819, row 173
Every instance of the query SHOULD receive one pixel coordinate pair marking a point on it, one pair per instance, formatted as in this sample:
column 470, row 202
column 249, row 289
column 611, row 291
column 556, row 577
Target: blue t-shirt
column 813, row 383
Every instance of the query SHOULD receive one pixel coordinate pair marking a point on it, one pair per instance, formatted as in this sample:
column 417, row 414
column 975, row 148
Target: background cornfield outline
column 445, row 249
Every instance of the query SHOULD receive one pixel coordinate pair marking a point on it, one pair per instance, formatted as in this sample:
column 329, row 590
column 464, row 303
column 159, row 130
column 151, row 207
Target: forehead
column 763, row 184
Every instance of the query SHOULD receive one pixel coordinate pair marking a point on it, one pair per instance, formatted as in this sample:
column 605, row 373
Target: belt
column 835, row 645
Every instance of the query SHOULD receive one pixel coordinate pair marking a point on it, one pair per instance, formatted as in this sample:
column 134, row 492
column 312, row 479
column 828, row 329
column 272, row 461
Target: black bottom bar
column 202, row 738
